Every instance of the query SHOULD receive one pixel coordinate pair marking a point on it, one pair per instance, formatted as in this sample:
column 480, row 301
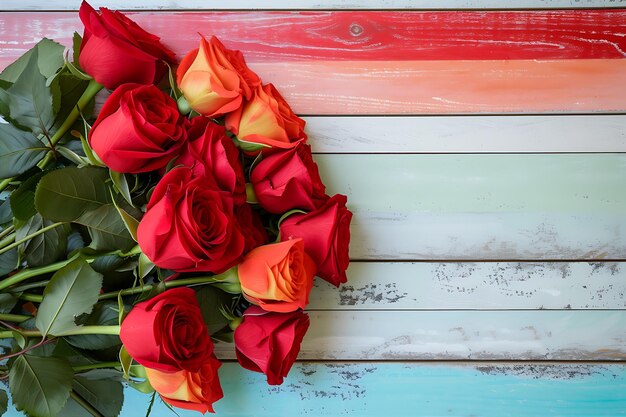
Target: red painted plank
column 362, row 35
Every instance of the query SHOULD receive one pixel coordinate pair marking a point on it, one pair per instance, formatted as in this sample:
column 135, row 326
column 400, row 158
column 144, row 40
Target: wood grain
column 476, row 134
column 475, row 285
column 504, row 207
column 364, row 35
column 313, row 4
column 462, row 335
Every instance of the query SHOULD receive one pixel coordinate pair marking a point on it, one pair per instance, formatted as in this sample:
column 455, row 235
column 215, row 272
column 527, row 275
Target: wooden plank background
column 483, row 156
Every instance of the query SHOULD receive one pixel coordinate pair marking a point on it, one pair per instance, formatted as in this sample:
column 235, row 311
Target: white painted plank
column 471, row 134
column 310, row 4
column 462, row 335
column 482, row 207
column 475, row 285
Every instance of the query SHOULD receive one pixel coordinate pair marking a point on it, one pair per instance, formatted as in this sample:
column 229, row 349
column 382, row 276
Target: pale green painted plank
column 462, row 335
column 475, row 285
column 497, row 207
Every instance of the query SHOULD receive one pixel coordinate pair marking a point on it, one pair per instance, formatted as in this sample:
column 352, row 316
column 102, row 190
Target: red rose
column 219, row 158
column 115, row 50
column 139, row 129
column 251, row 227
column 287, row 180
column 190, row 225
column 326, row 235
column 167, row 332
column 189, row 390
column 215, row 80
column 277, row 277
column 266, row 119
column 269, row 342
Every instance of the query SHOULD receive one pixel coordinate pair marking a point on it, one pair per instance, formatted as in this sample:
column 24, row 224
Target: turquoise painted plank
column 471, row 206
column 399, row 335
column 475, row 285
column 414, row 390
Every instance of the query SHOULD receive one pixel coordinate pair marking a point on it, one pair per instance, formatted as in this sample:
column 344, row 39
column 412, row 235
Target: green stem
column 98, row 365
column 29, row 237
column 168, row 284
column 7, row 240
column 29, row 286
column 81, row 330
column 15, row 318
column 5, row 183
column 83, row 403
column 7, row 231
column 25, row 274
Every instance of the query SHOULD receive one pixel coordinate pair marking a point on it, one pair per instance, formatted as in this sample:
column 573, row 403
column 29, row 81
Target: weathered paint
column 463, row 134
column 475, row 285
column 510, row 207
column 366, row 35
column 313, row 4
column 462, row 335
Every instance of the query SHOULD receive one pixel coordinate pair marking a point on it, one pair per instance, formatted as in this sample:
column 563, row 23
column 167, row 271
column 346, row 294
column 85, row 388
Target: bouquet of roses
column 187, row 210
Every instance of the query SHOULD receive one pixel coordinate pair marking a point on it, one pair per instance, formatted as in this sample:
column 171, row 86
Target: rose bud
column 209, row 149
column 251, row 227
column 189, row 390
column 266, row 119
column 215, row 80
column 288, row 180
column 190, row 225
column 139, row 129
column 269, row 342
column 115, row 50
column 167, row 332
column 326, row 235
column 277, row 277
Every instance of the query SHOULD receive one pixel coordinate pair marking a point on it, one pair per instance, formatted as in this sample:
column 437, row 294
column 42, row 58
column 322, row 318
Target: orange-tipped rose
column 267, row 119
column 190, row 390
column 215, row 80
column 278, row 277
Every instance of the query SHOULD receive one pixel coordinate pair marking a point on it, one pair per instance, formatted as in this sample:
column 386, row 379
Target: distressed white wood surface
column 462, row 335
column 471, row 134
column 473, row 207
column 310, row 4
column 475, row 285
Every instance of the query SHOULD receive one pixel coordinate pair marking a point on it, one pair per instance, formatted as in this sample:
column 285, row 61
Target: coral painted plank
column 504, row 207
column 363, row 35
column 475, row 285
column 462, row 335
column 476, row 134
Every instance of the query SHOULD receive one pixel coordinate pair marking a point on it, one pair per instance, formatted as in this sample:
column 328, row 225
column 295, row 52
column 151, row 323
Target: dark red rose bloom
column 139, row 129
column 190, row 225
column 269, row 342
column 210, row 152
column 115, row 50
column 167, row 332
column 288, row 180
column 326, row 235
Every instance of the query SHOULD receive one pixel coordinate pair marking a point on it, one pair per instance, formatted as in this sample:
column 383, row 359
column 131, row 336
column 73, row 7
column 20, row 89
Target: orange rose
column 214, row 80
column 278, row 277
column 267, row 119
column 190, row 390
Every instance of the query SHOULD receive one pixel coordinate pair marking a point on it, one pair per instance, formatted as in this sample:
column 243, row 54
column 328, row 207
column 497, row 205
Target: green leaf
column 73, row 290
column 19, row 151
column 6, row 215
column 121, row 185
column 107, row 229
column 49, row 60
column 40, row 386
column 73, row 157
column 145, row 266
column 8, row 261
column 45, row 248
column 30, row 99
column 211, row 301
column 104, row 314
column 126, row 362
column 7, row 302
column 130, row 221
column 67, row 88
column 23, row 199
column 105, row 395
column 4, row 402
column 77, row 41
column 66, row 194
column 249, row 146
